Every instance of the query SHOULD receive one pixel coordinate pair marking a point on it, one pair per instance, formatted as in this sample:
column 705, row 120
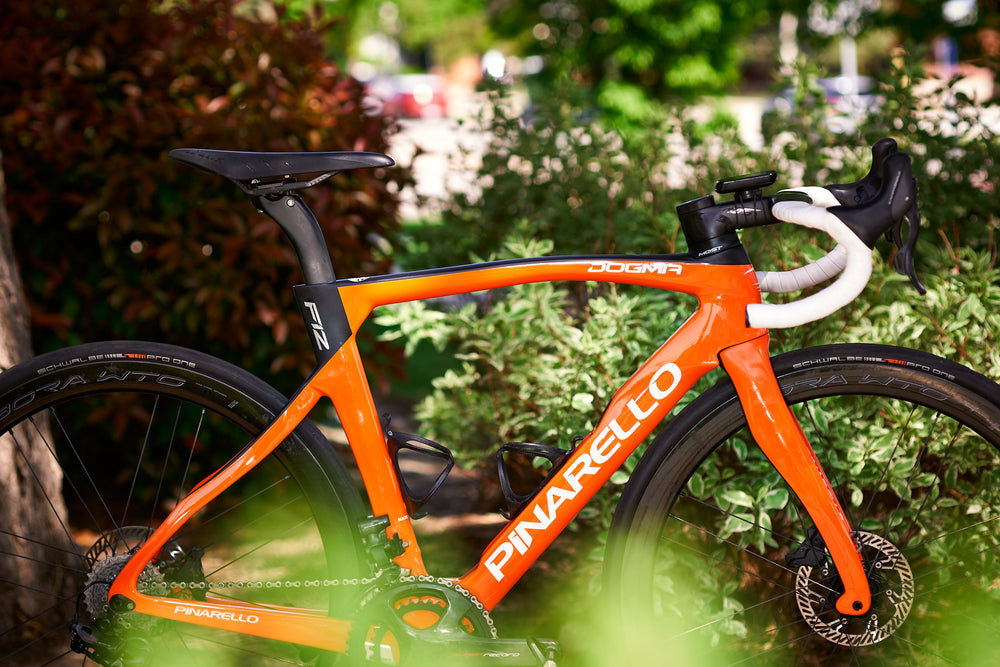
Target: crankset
column 433, row 621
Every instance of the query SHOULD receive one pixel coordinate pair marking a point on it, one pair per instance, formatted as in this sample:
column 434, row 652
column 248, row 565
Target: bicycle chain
column 311, row 583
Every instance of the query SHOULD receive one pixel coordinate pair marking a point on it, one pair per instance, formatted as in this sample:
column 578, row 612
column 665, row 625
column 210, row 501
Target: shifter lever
column 905, row 250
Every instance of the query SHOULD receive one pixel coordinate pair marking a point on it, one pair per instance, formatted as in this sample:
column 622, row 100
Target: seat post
column 292, row 214
column 319, row 298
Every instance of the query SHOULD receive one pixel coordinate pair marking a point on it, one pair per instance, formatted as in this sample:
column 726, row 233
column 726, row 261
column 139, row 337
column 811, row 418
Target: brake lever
column 905, row 250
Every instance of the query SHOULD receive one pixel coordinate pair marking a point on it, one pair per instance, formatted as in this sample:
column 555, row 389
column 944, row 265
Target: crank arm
column 471, row 651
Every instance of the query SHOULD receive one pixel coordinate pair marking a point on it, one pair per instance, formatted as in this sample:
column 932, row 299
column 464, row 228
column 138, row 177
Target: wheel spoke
column 84, row 469
column 125, row 435
column 905, row 451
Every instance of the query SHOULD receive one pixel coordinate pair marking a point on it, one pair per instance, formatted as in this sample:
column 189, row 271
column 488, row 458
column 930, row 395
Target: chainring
column 419, row 610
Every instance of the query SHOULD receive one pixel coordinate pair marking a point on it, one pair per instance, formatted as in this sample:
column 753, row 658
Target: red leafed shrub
column 116, row 240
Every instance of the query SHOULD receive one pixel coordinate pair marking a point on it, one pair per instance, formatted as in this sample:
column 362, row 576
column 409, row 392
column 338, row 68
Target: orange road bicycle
column 731, row 537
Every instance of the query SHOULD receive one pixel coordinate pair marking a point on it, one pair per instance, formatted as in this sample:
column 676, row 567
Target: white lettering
column 602, row 448
column 320, row 337
column 498, row 559
column 637, row 412
column 658, row 268
column 654, row 389
column 619, row 432
column 318, row 332
column 556, row 497
column 544, row 521
column 572, row 475
column 313, row 310
column 217, row 614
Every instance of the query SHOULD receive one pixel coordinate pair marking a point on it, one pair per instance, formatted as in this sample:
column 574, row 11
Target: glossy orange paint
column 718, row 324
column 638, row 407
column 780, row 437
column 343, row 380
column 361, row 297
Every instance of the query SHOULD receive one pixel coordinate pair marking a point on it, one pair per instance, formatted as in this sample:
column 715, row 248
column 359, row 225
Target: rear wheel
column 712, row 556
column 104, row 439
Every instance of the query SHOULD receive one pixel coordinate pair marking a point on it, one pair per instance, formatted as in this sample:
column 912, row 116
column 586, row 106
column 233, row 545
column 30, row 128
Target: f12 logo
column 319, row 333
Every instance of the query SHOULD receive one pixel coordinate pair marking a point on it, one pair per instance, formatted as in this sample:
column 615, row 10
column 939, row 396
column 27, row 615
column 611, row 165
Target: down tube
column 633, row 413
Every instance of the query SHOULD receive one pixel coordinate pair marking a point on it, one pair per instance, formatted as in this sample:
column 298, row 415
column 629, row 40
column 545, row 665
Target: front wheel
column 712, row 558
column 97, row 444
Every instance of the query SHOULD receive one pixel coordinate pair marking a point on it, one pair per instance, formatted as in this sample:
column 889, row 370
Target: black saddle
column 263, row 173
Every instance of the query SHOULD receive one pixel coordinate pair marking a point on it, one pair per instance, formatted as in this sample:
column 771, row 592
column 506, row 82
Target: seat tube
column 322, row 310
column 340, row 375
column 780, row 437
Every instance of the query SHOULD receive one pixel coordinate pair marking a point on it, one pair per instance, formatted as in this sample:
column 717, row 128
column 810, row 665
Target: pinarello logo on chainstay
column 217, row 614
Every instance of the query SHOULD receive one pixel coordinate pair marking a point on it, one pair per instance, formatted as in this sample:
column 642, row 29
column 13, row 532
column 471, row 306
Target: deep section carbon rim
column 103, row 440
column 910, row 444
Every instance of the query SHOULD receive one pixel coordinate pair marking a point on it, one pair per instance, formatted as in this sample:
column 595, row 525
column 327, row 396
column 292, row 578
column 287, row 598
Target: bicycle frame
column 717, row 332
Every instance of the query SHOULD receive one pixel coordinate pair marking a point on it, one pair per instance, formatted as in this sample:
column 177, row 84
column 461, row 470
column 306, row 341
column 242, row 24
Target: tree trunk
column 31, row 501
column 15, row 343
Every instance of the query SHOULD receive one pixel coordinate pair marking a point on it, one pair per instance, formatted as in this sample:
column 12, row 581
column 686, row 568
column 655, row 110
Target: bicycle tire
column 131, row 427
column 697, row 555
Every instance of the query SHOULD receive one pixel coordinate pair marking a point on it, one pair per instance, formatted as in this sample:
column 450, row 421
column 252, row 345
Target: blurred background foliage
column 536, row 363
column 93, row 95
column 114, row 239
column 117, row 241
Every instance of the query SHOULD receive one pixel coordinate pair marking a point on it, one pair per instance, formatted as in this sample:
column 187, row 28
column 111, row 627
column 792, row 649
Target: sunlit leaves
column 117, row 241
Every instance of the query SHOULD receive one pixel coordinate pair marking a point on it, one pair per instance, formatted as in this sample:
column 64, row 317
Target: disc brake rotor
column 890, row 579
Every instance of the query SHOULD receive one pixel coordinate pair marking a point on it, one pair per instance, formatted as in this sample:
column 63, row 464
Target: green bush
column 533, row 366
column 537, row 362
column 117, row 241
column 576, row 184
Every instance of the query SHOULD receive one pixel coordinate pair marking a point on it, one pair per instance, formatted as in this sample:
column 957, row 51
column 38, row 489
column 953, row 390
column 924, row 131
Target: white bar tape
column 820, row 271
column 853, row 279
column 812, row 274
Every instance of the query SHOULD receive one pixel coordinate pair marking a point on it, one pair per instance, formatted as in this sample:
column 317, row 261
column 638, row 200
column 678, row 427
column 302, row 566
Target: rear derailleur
column 118, row 638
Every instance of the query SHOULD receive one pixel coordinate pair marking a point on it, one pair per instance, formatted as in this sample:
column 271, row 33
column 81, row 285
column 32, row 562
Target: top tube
column 680, row 273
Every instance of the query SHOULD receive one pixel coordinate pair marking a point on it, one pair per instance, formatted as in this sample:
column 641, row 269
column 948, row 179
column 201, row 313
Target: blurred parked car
column 410, row 95
column 848, row 100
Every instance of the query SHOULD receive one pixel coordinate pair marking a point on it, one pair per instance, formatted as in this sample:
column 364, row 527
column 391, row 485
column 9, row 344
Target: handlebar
column 856, row 215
